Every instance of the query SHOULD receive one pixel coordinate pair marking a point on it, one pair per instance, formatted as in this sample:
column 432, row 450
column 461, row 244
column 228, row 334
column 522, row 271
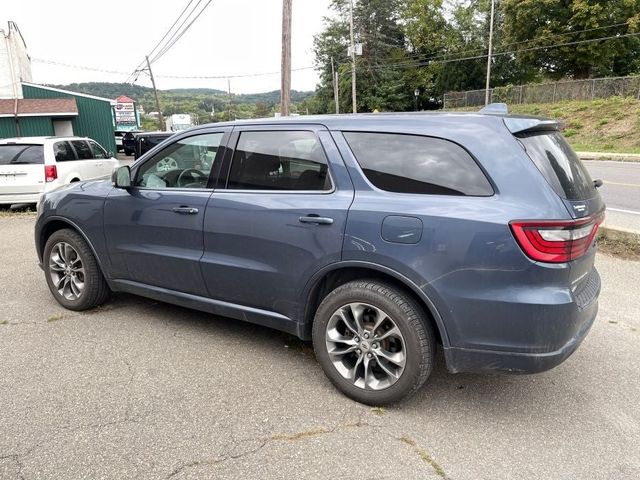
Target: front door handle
column 318, row 220
column 186, row 210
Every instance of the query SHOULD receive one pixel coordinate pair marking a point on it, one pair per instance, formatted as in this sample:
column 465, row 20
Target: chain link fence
column 588, row 89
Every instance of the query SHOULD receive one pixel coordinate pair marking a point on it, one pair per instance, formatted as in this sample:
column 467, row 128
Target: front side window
column 82, row 149
column 279, row 160
column 417, row 164
column 97, row 150
column 186, row 163
column 63, row 152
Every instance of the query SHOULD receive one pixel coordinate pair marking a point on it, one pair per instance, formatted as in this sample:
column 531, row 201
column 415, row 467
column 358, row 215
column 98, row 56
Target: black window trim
column 233, row 144
column 373, row 187
column 212, row 174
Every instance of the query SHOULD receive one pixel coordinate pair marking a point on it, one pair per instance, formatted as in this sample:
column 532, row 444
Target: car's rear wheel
column 373, row 342
column 72, row 272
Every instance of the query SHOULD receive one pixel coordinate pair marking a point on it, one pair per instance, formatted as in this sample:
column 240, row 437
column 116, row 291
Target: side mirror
column 111, row 155
column 121, row 177
column 598, row 183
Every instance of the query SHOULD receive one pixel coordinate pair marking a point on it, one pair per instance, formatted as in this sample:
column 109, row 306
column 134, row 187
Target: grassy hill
column 601, row 125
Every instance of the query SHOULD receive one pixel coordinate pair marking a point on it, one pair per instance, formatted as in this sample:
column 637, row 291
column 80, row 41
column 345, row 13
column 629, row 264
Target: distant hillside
column 206, row 104
column 138, row 92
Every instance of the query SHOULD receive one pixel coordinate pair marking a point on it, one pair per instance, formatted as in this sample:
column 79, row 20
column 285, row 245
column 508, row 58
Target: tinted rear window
column 21, row 154
column 559, row 164
column 417, row 164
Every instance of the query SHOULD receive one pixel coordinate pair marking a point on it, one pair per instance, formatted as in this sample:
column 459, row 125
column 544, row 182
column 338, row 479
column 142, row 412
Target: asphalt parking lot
column 147, row 390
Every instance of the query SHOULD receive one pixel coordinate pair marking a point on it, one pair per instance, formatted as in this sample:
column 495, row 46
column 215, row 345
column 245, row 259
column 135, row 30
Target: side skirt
column 240, row 312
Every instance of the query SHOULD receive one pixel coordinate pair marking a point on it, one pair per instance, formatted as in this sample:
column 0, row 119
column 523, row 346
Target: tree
column 531, row 25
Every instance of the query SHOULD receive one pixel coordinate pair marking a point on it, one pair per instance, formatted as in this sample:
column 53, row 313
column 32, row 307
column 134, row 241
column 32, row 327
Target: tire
column 416, row 338
column 86, row 272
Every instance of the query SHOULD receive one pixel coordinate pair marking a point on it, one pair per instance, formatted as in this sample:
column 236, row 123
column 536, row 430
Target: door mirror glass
column 121, row 177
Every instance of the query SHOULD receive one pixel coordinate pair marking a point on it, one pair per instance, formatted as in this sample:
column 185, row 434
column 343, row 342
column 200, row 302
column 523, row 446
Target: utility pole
column 486, row 92
column 155, row 92
column 285, row 69
column 353, row 59
column 334, row 78
column 229, row 86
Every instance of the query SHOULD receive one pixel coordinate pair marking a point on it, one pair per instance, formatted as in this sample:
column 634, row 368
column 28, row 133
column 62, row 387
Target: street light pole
column 486, row 92
column 416, row 93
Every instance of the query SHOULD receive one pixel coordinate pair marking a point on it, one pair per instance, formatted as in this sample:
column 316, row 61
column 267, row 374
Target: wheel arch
column 55, row 224
column 338, row 274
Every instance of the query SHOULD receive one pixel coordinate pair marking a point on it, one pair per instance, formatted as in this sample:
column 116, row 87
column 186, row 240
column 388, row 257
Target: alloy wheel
column 66, row 271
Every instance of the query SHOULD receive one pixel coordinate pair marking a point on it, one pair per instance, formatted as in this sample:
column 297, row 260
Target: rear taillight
column 556, row 241
column 50, row 173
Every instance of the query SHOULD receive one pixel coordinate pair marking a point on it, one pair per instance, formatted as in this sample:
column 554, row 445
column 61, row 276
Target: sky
column 231, row 37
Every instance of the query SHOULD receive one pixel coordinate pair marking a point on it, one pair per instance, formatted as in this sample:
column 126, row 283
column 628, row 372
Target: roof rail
column 500, row 108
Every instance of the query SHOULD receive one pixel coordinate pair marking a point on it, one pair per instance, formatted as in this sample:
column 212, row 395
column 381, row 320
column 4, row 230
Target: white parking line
column 633, row 212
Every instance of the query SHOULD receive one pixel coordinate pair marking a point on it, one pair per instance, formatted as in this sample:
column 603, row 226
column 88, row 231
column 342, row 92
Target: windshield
column 21, row 154
column 559, row 164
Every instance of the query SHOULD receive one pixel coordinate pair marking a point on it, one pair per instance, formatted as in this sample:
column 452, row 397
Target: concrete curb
column 620, row 157
column 619, row 234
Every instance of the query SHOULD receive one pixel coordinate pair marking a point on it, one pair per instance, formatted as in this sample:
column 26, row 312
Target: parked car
column 119, row 136
column 143, row 142
column 128, row 142
column 30, row 166
column 375, row 236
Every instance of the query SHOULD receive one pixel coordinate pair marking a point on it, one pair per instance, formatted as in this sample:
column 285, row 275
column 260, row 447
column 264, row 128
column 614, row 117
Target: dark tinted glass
column 279, row 161
column 560, row 165
column 82, row 149
column 63, row 152
column 21, row 154
column 98, row 151
column 416, row 164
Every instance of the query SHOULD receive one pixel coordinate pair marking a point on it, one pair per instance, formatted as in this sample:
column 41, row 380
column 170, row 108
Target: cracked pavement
column 140, row 389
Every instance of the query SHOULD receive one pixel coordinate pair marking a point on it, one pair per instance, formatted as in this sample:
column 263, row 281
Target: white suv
column 31, row 166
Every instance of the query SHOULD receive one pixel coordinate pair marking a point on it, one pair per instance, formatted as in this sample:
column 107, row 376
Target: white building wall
column 15, row 64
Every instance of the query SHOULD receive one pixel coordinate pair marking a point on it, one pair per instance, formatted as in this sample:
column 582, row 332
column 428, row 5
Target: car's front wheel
column 373, row 342
column 72, row 272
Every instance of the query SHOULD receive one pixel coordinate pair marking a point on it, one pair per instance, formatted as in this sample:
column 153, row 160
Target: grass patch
column 4, row 322
column 56, row 318
column 378, row 411
column 300, row 435
column 623, row 246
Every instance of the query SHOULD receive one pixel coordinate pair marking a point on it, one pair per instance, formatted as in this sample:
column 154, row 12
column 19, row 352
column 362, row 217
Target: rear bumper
column 492, row 361
column 15, row 198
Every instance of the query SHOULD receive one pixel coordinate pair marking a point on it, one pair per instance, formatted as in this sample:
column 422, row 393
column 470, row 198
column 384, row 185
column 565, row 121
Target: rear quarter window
column 21, row 154
column 559, row 164
column 417, row 164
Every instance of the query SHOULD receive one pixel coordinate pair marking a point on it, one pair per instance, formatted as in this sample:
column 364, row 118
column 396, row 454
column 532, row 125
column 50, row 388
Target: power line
column 185, row 77
column 179, row 36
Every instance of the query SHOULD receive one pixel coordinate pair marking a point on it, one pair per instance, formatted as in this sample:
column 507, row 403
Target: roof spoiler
column 527, row 125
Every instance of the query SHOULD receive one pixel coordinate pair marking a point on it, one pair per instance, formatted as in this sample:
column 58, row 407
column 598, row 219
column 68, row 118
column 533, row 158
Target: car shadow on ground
column 482, row 393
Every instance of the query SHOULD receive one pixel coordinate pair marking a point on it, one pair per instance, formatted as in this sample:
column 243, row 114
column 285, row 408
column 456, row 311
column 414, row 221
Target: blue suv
column 378, row 237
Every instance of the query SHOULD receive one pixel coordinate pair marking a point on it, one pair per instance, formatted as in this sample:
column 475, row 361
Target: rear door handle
column 316, row 219
column 186, row 210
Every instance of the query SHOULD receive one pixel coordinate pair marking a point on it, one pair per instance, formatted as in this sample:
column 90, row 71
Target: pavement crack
column 424, row 456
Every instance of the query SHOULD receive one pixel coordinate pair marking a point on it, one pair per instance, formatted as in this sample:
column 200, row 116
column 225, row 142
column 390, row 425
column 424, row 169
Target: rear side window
column 63, row 152
column 279, row 160
column 21, row 154
column 559, row 164
column 82, row 149
column 417, row 164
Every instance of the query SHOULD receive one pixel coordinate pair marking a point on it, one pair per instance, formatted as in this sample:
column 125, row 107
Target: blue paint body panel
column 246, row 254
